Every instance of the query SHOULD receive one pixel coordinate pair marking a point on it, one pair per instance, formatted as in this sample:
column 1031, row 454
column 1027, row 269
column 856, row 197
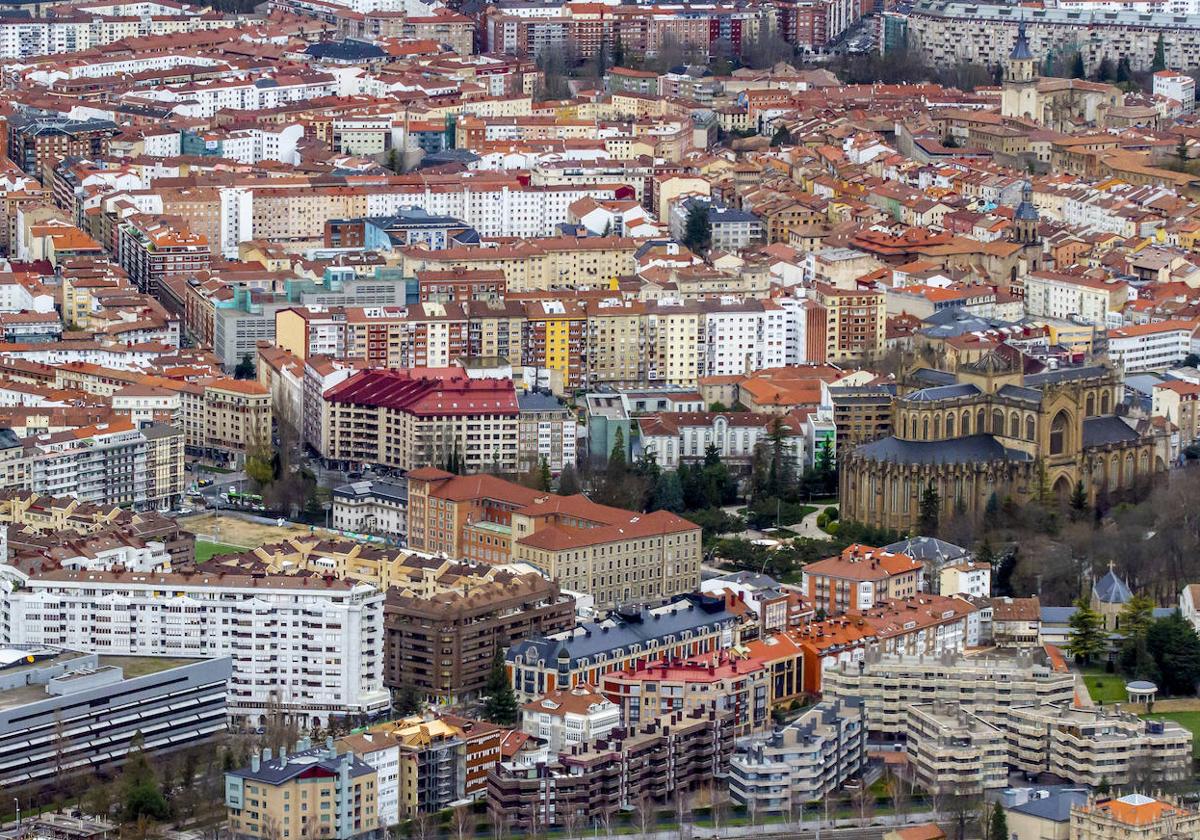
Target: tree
column 543, row 475
column 1079, row 502
column 616, row 456
column 1086, row 640
column 668, row 493
column 98, row 800
column 998, row 828
column 393, row 160
column 826, row 468
column 781, row 137
column 408, row 699
column 1160, row 55
column 1136, row 616
column 245, row 368
column 1176, row 649
column 500, row 705
column 568, row 481
column 697, row 234
column 141, row 795
column 260, row 467
column 1105, row 72
column 1078, row 70
column 1124, row 71
column 931, row 504
column 1181, row 157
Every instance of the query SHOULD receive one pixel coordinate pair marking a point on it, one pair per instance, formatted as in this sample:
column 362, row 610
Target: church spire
column 1020, row 50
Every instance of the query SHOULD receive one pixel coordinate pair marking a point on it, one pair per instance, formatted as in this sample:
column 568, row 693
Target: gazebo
column 1141, row 691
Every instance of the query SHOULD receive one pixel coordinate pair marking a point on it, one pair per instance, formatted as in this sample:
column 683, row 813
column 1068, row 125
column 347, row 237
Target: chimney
column 267, row 754
column 254, row 762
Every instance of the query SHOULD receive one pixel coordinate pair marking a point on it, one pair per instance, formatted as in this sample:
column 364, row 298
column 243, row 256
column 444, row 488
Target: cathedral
column 1060, row 104
column 991, row 429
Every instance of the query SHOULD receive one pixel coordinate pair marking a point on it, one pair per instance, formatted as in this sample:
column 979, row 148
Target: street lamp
column 18, row 804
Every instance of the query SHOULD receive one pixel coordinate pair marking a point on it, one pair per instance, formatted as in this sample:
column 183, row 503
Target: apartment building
column 236, row 419
column 1096, row 745
column 407, row 419
column 311, row 792
column 165, row 703
column 691, row 626
column 860, row 578
column 854, row 323
column 685, row 437
column 305, row 646
column 151, row 247
column 953, row 751
column 1178, row 402
column 1155, row 346
column 805, row 761
column 1069, row 297
column 591, row 782
column 474, row 618
column 985, row 686
column 568, row 717
column 421, row 763
column 721, row 682
column 103, row 464
column 165, row 476
column 547, row 431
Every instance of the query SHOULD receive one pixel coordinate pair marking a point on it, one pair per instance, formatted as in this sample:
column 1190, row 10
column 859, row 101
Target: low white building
column 1155, row 346
column 1178, row 86
column 371, row 507
column 572, row 716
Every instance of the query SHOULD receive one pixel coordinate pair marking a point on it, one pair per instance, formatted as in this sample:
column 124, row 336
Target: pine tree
column 568, row 481
column 1160, row 55
column 393, row 160
column 1124, row 71
column 1086, row 640
column 1136, row 616
column 1078, row 70
column 1079, row 501
column 931, row 506
column 697, row 235
column 408, row 700
column 998, row 829
column 616, row 457
column 543, row 476
column 245, row 368
column 668, row 493
column 500, row 705
column 781, row 137
column 1181, row 151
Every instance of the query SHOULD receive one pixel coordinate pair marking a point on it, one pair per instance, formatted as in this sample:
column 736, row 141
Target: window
column 1058, row 434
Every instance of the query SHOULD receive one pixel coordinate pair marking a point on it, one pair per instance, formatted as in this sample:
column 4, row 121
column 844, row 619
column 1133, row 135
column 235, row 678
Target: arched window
column 1014, row 425
column 1104, row 404
column 997, row 422
column 1091, row 404
column 949, row 425
column 966, row 429
column 905, row 426
column 937, row 427
column 1058, row 434
column 979, row 427
column 925, row 429
column 1029, row 431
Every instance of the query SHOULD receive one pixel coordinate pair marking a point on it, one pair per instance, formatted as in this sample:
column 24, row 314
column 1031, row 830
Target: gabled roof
column 1110, row 589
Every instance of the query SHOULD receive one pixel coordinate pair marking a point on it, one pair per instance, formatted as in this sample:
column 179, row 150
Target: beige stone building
column 953, row 751
column 985, row 685
column 237, row 418
column 1091, row 746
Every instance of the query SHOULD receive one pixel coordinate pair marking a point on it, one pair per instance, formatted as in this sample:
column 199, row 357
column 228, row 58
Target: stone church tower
column 1019, row 98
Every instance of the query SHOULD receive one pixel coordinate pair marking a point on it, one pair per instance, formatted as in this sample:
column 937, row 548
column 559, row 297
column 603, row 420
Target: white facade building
column 569, row 717
column 1178, row 86
column 744, row 336
column 1155, row 346
column 308, row 647
column 967, row 579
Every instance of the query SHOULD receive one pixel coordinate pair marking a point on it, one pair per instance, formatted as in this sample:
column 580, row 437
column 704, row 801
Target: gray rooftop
column 1051, row 377
column 1101, row 431
column 943, row 392
column 1056, row 807
column 928, row 549
column 973, row 448
column 613, row 635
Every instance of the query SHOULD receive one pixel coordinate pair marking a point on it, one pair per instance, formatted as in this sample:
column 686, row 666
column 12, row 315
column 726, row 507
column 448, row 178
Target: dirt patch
column 230, row 530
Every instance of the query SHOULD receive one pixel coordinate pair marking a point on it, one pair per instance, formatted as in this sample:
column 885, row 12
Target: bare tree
column 464, row 823
column 864, row 803
column 500, row 827
column 420, row 827
column 898, row 792
column 643, row 816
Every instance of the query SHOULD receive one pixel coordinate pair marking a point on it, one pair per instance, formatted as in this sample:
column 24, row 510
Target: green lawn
column 1188, row 720
column 1104, row 688
column 206, row 550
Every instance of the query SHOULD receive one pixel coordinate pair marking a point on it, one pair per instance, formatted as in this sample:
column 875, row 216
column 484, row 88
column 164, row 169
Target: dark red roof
column 426, row 392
